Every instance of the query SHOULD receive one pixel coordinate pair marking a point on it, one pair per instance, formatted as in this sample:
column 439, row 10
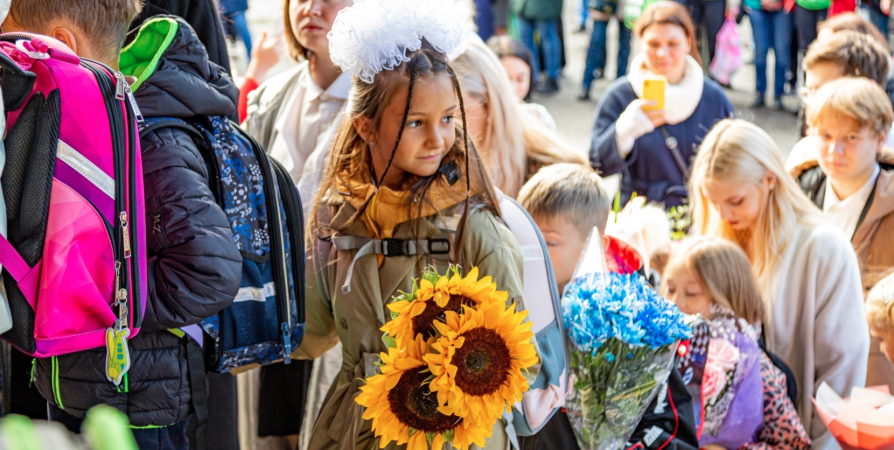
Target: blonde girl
column 712, row 277
column 514, row 144
column 807, row 271
column 880, row 315
column 402, row 169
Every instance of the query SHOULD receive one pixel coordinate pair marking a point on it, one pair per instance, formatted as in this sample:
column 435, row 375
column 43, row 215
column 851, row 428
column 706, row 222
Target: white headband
column 376, row 35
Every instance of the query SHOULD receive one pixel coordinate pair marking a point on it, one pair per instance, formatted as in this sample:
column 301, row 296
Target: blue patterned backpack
column 265, row 323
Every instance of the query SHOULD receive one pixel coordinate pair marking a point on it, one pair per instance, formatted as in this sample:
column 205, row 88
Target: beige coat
column 356, row 317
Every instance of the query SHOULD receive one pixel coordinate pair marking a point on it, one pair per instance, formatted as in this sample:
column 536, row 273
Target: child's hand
column 713, row 447
column 264, row 56
column 886, row 7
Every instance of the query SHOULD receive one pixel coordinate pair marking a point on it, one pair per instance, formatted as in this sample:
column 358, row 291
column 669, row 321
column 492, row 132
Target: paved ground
column 574, row 118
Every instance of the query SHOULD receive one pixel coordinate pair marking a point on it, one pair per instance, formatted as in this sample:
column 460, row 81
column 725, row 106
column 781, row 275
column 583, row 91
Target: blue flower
column 609, row 357
column 598, row 307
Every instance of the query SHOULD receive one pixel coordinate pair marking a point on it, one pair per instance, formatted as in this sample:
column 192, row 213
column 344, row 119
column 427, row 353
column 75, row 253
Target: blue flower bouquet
column 622, row 340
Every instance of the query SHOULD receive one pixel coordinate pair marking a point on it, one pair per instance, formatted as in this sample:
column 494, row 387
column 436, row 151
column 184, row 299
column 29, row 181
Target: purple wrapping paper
column 746, row 412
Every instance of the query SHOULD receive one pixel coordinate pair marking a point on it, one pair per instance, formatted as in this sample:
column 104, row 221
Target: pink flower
column 722, row 359
column 723, row 353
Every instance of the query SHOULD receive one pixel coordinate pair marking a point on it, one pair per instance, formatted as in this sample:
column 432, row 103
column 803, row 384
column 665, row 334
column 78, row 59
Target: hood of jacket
column 883, row 200
column 174, row 75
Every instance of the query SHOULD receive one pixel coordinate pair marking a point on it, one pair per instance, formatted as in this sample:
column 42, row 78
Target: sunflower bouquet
column 622, row 341
column 455, row 361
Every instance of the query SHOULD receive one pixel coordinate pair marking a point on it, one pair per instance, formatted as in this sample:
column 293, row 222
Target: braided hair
column 370, row 100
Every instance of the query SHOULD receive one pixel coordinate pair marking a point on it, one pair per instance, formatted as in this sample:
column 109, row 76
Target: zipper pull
column 133, row 104
column 120, row 84
column 122, row 308
column 126, row 237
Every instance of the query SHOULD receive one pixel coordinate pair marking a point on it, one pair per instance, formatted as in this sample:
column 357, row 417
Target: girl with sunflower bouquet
column 404, row 190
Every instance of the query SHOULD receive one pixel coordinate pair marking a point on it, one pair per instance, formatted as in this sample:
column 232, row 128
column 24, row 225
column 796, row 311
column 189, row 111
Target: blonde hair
column 736, row 151
column 723, row 270
column 570, row 191
column 512, row 139
column 880, row 305
column 858, row 98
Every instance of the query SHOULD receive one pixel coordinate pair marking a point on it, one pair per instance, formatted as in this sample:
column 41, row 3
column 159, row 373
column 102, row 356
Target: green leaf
column 429, row 437
column 389, row 341
column 412, row 431
column 617, row 205
column 448, row 435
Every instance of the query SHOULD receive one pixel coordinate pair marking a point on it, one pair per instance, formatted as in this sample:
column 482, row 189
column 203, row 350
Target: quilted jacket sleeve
column 195, row 268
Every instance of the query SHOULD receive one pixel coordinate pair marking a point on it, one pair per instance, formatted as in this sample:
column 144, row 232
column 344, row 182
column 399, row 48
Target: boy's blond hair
column 880, row 305
column 104, row 22
column 571, row 191
column 858, row 98
column 724, row 271
column 857, row 54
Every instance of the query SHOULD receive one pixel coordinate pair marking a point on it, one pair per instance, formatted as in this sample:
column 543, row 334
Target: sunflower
column 478, row 361
column 403, row 409
column 414, row 313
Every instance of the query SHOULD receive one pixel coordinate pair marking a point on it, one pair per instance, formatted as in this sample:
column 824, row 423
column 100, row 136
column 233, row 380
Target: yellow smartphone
column 653, row 89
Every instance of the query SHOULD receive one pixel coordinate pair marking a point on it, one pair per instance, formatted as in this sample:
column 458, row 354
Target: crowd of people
column 795, row 244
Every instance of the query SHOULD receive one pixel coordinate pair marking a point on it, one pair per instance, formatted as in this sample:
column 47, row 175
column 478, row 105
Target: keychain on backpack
column 117, row 353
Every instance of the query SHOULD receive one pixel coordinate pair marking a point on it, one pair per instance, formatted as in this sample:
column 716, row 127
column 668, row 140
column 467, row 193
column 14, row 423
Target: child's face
column 519, row 75
column 847, row 151
column 311, row 21
column 429, row 133
column 886, row 341
column 565, row 243
column 682, row 287
column 818, row 75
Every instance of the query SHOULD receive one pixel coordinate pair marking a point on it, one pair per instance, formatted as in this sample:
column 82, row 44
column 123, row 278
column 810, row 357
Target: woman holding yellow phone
column 649, row 124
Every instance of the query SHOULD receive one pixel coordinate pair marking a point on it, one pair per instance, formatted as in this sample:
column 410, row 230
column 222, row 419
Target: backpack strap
column 26, row 276
column 387, row 248
column 156, row 123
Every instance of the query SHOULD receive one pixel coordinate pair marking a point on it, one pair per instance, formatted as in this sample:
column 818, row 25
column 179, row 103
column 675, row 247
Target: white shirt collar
column 845, row 213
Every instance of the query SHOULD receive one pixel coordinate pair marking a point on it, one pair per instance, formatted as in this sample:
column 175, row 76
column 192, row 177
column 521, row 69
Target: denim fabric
column 878, row 18
column 708, row 14
column 807, row 21
column 238, row 27
column 596, row 53
column 548, row 30
column 771, row 29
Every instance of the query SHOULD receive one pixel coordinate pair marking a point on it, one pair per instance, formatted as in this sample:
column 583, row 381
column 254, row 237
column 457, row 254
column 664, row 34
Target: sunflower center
column 417, row 407
column 477, row 362
column 483, row 362
column 422, row 324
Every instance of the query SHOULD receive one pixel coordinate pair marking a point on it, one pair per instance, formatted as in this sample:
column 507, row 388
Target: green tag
column 117, row 354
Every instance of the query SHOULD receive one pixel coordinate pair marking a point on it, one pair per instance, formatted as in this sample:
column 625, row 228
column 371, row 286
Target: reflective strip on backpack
column 86, row 168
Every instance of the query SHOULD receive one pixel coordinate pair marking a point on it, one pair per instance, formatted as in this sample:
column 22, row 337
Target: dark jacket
column 202, row 16
column 194, row 265
column 649, row 169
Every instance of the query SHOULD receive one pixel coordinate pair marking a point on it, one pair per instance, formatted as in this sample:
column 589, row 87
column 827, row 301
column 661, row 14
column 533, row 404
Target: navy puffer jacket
column 194, row 266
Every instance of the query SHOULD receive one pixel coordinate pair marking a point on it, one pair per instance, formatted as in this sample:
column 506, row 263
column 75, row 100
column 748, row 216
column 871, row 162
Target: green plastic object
column 18, row 433
column 106, row 428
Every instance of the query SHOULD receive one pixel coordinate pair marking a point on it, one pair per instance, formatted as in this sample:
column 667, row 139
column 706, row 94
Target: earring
column 372, row 144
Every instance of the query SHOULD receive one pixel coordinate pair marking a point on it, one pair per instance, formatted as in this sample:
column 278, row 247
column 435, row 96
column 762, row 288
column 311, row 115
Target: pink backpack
column 74, row 256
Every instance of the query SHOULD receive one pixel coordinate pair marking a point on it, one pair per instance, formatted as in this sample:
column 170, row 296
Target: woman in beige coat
column 806, row 269
column 401, row 172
